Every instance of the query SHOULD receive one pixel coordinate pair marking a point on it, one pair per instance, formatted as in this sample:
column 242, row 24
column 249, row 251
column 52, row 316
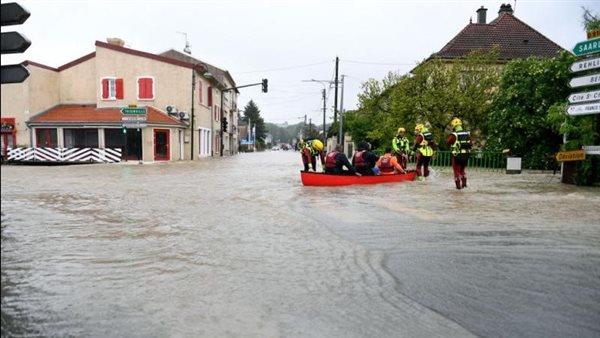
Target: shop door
column 161, row 145
column 134, row 145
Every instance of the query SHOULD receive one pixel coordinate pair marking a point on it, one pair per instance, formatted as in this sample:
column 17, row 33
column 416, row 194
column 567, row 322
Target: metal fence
column 481, row 159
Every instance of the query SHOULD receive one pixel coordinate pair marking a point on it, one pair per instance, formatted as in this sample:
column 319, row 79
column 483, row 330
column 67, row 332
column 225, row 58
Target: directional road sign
column 134, row 111
column 585, row 97
column 584, row 109
column 133, row 118
column 13, row 14
column 591, row 150
column 134, row 125
column 582, row 81
column 14, row 42
column 567, row 156
column 587, row 47
column 585, row 64
column 13, row 74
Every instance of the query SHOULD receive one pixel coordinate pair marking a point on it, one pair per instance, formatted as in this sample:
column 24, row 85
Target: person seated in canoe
column 335, row 162
column 364, row 160
column 388, row 164
column 309, row 153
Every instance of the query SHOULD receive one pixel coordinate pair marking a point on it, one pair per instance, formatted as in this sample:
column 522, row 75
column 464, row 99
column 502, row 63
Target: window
column 216, row 110
column 145, row 88
column 200, row 91
column 81, row 138
column 112, row 88
column 46, row 137
column 209, row 96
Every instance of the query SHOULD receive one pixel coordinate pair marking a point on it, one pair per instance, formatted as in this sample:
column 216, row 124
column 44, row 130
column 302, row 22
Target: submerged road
column 238, row 247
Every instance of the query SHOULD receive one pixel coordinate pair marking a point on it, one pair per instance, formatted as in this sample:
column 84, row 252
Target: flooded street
column 174, row 249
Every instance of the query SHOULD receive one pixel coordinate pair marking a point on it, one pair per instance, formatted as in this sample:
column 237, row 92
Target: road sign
column 13, row 14
column 591, row 150
column 133, row 118
column 13, row 74
column 134, row 125
column 13, row 42
column 582, row 81
column 134, row 111
column 586, row 64
column 567, row 156
column 584, row 109
column 585, row 97
column 587, row 47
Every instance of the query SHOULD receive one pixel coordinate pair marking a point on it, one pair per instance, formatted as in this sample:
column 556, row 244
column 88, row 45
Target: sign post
column 134, row 118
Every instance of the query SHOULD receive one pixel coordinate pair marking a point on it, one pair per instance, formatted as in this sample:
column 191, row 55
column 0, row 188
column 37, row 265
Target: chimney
column 505, row 8
column 115, row 41
column 481, row 13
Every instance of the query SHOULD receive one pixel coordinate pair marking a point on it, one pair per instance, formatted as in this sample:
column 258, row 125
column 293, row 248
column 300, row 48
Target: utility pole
column 304, row 127
column 341, row 130
column 193, row 115
column 335, row 105
column 324, row 122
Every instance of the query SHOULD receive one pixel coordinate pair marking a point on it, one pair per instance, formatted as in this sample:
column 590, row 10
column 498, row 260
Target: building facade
column 79, row 105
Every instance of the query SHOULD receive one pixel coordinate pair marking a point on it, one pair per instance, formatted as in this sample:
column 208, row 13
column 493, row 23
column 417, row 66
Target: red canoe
column 322, row 179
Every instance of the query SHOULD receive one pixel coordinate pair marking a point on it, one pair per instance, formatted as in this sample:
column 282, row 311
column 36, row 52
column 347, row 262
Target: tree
column 252, row 114
column 435, row 92
column 519, row 116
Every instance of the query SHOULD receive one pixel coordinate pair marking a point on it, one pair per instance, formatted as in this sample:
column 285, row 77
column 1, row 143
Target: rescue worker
column 424, row 147
column 335, row 162
column 401, row 147
column 364, row 160
column 388, row 163
column 460, row 144
column 309, row 153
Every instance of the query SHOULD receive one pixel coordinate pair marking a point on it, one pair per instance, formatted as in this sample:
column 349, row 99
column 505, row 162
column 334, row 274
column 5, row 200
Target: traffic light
column 224, row 124
column 13, row 42
column 265, row 85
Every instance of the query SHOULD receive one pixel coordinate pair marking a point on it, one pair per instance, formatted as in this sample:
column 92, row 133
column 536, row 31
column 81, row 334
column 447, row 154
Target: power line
column 284, row 68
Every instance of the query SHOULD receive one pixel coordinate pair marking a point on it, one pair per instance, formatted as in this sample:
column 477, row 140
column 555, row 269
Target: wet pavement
column 174, row 249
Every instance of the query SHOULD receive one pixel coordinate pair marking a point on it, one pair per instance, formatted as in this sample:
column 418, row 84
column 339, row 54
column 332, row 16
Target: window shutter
column 209, row 96
column 141, row 88
column 119, row 86
column 149, row 88
column 105, row 88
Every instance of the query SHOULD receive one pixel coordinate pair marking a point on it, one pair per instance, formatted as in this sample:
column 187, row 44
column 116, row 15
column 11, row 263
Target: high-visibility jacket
column 425, row 146
column 400, row 145
column 462, row 143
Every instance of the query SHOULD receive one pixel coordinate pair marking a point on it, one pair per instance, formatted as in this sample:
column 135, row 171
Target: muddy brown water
column 238, row 247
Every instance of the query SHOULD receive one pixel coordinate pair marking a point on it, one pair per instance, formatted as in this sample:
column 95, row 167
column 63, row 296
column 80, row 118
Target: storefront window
column 81, row 138
column 46, row 137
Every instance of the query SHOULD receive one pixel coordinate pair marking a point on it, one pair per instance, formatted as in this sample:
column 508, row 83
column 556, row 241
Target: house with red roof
column 85, row 104
column 512, row 37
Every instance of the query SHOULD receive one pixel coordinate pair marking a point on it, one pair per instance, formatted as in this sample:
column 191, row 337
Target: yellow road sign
column 566, row 156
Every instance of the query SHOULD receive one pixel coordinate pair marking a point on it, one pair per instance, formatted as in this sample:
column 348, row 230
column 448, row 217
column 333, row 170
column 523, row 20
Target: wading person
column 364, row 160
column 388, row 163
column 401, row 147
column 460, row 143
column 424, row 147
column 310, row 151
column 335, row 162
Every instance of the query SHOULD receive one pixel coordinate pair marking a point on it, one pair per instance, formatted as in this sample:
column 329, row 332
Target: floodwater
column 238, row 247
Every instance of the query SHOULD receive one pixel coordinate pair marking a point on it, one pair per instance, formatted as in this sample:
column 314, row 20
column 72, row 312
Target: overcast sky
column 284, row 41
